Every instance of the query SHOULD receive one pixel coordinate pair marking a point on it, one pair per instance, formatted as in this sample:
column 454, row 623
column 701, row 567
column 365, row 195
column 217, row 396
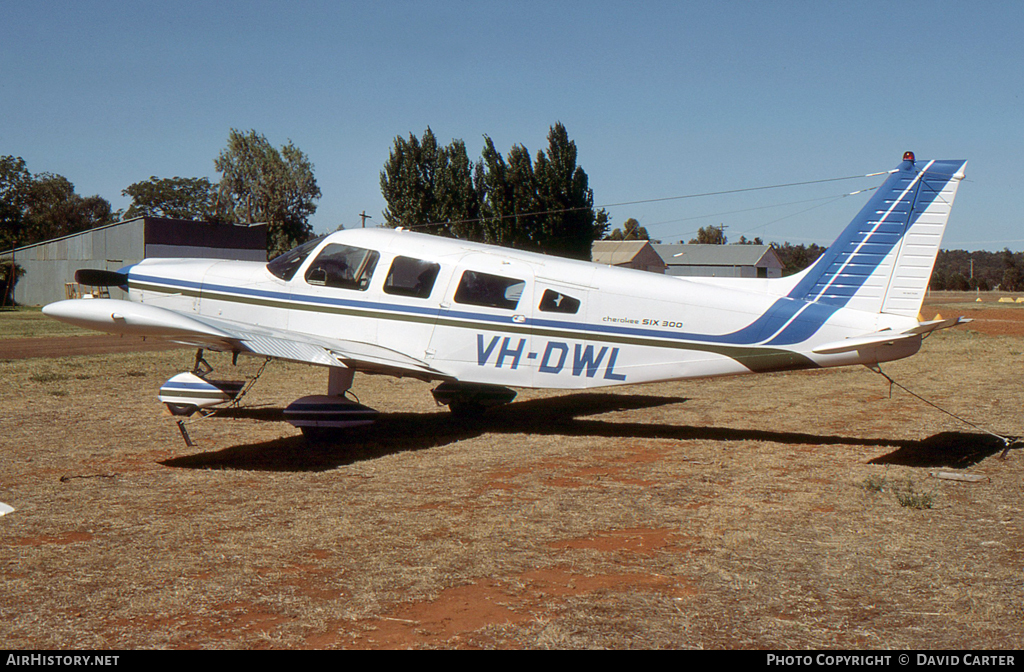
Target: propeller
column 97, row 278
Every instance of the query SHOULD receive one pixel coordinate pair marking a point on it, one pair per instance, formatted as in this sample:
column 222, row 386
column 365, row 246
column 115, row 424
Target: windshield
column 288, row 263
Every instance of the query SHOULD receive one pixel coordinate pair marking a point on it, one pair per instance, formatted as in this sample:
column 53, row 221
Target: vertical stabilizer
column 883, row 260
column 916, row 253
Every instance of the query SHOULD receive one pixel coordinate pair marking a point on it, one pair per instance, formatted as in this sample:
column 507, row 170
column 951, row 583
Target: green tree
column 10, row 272
column 457, row 200
column 53, row 209
column 986, row 269
column 544, row 205
column 631, row 230
column 710, row 235
column 570, row 225
column 40, row 207
column 193, row 198
column 14, row 181
column 957, row 282
column 1013, row 278
column 14, row 177
column 260, row 184
column 796, row 258
column 510, row 204
column 431, row 188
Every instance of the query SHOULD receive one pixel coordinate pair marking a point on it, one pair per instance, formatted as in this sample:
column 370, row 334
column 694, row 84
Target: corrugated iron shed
column 740, row 261
column 50, row 265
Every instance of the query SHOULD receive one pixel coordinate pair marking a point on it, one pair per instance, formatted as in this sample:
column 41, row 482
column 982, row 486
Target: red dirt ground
column 67, row 346
column 988, row 321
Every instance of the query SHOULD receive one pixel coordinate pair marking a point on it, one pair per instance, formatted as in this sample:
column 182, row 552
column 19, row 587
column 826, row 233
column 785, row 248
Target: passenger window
column 493, row 291
column 343, row 266
column 556, row 302
column 411, row 277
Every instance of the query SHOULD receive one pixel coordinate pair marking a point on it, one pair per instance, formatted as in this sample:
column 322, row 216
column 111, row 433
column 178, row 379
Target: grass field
column 31, row 323
column 793, row 510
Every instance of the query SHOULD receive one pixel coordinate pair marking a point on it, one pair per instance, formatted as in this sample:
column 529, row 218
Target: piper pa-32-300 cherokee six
column 482, row 319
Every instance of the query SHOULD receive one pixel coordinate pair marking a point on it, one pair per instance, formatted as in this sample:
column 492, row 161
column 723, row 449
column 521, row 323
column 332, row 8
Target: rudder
column 883, row 260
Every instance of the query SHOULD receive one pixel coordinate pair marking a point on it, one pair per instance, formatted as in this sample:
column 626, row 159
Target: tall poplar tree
column 544, row 205
column 571, row 225
column 431, row 188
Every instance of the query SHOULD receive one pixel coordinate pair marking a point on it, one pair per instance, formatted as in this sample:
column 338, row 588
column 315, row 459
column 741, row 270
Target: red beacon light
column 908, row 156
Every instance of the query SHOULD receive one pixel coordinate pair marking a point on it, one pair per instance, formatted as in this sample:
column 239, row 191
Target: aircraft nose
column 52, row 309
column 61, row 310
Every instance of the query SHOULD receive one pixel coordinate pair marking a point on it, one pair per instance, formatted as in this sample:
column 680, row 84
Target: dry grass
column 709, row 514
column 31, row 323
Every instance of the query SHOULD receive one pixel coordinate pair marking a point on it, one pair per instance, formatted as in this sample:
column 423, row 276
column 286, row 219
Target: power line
column 738, row 191
column 829, row 200
column 649, row 200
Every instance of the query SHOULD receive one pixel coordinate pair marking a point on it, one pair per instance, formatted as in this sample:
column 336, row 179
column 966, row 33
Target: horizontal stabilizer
column 885, row 337
column 934, row 325
column 862, row 343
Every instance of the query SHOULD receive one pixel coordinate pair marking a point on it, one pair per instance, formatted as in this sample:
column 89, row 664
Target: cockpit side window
column 343, row 266
column 285, row 265
column 493, row 291
column 556, row 302
column 411, row 277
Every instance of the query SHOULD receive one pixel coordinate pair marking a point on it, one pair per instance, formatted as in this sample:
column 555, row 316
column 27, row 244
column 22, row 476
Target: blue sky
column 663, row 99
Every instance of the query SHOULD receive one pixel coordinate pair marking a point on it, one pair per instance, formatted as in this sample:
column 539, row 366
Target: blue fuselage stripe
column 763, row 327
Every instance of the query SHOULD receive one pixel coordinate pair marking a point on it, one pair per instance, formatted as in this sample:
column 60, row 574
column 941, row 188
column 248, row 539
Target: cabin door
column 483, row 332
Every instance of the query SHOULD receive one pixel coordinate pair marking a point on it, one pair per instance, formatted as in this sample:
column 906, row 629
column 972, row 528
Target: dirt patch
column 989, row 321
column 990, row 317
column 637, row 540
column 70, row 346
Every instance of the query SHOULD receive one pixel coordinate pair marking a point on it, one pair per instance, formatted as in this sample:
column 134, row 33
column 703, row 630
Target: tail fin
column 883, row 260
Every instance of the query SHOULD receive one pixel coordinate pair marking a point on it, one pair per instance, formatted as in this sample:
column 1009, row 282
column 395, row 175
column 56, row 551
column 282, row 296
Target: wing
column 136, row 319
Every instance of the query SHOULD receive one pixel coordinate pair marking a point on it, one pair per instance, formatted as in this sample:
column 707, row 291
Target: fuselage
column 492, row 315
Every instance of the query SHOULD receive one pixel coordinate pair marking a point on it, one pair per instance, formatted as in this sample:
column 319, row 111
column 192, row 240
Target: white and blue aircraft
column 481, row 320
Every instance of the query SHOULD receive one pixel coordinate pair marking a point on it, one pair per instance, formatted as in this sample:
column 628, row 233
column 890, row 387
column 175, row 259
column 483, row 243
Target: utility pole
column 363, row 216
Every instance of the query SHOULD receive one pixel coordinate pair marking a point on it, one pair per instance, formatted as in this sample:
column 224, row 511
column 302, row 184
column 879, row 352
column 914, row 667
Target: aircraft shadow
column 954, row 450
column 563, row 416
column 401, row 432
